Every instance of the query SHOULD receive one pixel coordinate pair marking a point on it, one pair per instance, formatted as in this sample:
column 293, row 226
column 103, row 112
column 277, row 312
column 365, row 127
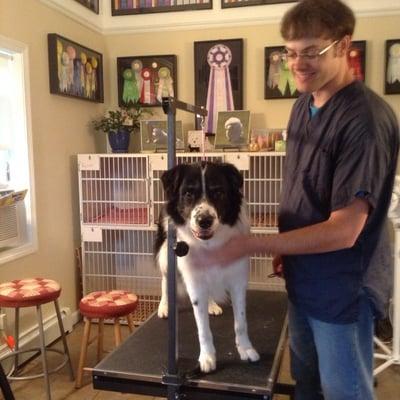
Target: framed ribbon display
column 146, row 79
column 218, row 78
column 131, row 7
column 392, row 70
column 244, row 3
column 356, row 57
column 279, row 81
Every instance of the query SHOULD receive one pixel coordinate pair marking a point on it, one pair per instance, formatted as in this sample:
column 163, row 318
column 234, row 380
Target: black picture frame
column 92, row 5
column 392, row 72
column 246, row 3
column 202, row 71
column 274, row 84
column 152, row 67
column 357, row 56
column 74, row 70
column 133, row 7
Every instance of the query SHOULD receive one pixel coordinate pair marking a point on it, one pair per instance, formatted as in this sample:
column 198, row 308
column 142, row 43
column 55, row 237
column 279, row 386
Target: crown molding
column 106, row 24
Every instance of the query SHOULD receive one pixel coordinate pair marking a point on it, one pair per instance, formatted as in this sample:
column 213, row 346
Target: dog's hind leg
column 245, row 348
column 214, row 308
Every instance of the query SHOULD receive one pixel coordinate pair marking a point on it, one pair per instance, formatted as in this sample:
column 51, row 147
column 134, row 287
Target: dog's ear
column 172, row 179
column 233, row 175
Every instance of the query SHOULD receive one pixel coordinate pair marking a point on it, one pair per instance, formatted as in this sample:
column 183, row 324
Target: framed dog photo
column 392, row 75
column 218, row 78
column 74, row 70
column 232, row 129
column 146, row 79
column 154, row 136
column 279, row 81
column 356, row 59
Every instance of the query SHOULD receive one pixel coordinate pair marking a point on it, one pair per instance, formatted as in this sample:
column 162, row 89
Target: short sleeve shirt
column 349, row 147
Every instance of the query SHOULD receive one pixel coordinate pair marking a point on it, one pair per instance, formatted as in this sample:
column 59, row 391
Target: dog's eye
column 188, row 195
column 218, row 194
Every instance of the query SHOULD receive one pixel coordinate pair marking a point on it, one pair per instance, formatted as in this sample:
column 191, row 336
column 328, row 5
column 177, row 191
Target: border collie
column 206, row 206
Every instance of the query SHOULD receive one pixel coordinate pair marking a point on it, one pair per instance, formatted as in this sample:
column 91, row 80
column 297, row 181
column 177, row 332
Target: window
column 17, row 223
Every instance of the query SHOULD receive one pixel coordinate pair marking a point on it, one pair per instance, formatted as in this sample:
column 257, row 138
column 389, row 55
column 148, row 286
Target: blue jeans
column 332, row 361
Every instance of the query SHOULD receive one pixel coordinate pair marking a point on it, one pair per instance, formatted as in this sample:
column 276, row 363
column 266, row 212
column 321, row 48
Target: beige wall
column 59, row 131
column 264, row 113
column 60, row 128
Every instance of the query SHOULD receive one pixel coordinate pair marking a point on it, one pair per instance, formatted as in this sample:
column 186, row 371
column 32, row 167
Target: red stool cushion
column 28, row 292
column 108, row 304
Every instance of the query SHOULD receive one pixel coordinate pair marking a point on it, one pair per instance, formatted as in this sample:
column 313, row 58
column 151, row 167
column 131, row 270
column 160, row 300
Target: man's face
column 313, row 63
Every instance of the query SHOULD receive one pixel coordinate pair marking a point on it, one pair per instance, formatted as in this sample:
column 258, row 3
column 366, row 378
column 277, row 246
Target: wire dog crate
column 120, row 200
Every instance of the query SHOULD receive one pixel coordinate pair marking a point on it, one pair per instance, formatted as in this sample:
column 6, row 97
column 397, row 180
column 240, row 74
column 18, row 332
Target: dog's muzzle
column 204, row 223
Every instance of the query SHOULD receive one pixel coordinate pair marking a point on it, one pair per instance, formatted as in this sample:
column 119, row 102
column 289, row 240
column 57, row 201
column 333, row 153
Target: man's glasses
column 312, row 55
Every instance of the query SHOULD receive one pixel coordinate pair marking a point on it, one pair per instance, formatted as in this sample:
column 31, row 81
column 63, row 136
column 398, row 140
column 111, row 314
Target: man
column 341, row 159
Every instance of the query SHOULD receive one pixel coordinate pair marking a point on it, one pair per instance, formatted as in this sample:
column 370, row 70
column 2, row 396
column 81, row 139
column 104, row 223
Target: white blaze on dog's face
column 203, row 196
column 204, row 219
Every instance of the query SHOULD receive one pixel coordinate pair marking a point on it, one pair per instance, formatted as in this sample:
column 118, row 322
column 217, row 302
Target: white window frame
column 30, row 242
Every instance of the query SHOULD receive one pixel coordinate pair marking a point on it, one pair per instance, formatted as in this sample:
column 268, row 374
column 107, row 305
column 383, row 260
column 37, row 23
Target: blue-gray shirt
column 348, row 147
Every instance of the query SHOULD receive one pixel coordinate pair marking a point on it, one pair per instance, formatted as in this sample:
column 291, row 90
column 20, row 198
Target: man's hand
column 277, row 266
column 234, row 249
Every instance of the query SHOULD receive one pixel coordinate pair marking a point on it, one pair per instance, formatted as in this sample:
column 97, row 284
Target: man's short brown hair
column 328, row 19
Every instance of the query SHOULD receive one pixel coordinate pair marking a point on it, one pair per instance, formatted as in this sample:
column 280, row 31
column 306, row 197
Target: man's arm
column 338, row 232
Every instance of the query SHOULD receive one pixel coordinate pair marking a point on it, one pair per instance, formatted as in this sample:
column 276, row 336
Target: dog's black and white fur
column 205, row 204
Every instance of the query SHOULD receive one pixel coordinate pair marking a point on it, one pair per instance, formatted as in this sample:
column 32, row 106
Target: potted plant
column 119, row 124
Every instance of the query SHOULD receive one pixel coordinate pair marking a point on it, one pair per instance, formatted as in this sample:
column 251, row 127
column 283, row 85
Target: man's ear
column 342, row 48
column 172, row 179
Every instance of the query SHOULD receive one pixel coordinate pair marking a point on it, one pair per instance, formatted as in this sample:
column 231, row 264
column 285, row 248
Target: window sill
column 17, row 252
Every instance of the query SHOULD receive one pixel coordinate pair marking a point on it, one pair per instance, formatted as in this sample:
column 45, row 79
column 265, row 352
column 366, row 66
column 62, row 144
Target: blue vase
column 119, row 140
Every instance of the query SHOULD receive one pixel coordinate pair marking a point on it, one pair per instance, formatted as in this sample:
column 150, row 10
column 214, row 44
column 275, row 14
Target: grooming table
column 138, row 365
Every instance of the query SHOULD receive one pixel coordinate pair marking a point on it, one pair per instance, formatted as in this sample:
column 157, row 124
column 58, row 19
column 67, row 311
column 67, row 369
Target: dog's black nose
column 204, row 221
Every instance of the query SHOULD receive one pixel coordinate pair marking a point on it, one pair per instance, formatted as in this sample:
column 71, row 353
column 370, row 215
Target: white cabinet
column 120, row 198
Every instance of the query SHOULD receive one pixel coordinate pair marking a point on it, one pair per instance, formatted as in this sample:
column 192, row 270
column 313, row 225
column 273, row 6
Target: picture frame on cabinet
column 392, row 66
column 245, row 3
column 154, row 135
column 92, row 5
column 74, row 70
column 356, row 57
column 146, row 79
column 221, row 62
column 132, row 7
column 278, row 80
column 233, row 129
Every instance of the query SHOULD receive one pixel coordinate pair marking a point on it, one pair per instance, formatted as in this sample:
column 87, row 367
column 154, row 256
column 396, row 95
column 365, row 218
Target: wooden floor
column 388, row 382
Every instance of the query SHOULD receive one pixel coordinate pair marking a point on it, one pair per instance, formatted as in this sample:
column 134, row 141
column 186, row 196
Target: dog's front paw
column 214, row 308
column 162, row 310
column 207, row 362
column 248, row 354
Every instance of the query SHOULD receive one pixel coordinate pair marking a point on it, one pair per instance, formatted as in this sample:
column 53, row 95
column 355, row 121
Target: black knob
column 181, row 249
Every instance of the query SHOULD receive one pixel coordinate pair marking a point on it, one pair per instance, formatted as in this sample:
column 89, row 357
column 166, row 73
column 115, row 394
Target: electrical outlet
column 3, row 321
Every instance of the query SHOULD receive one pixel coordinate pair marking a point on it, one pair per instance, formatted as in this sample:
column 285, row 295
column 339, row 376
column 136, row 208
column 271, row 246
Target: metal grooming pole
column 172, row 377
column 392, row 356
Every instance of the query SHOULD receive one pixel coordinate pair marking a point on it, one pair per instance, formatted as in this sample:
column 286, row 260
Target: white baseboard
column 30, row 337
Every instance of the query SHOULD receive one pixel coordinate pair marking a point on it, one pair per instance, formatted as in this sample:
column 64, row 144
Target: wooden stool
column 103, row 305
column 33, row 293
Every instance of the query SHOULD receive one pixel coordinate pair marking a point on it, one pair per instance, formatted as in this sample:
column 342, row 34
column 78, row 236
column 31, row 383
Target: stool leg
column 66, row 351
column 129, row 319
column 82, row 357
column 117, row 332
column 16, row 334
column 43, row 350
column 100, row 337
